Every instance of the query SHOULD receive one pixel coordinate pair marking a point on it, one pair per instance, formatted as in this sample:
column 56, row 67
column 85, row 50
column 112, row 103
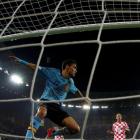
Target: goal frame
column 71, row 29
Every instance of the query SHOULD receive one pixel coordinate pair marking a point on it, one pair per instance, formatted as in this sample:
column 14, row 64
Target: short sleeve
column 73, row 88
column 126, row 125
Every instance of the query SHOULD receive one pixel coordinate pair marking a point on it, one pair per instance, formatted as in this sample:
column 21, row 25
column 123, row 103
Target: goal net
column 28, row 16
column 29, row 23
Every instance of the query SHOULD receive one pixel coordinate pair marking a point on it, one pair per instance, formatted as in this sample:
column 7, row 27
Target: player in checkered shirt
column 119, row 128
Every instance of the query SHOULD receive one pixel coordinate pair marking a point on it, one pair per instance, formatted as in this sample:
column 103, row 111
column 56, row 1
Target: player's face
column 119, row 117
column 72, row 70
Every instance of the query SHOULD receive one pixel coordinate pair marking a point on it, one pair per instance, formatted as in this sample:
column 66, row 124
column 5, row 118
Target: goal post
column 71, row 29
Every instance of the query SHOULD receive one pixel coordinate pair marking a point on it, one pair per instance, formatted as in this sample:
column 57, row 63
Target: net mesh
column 19, row 16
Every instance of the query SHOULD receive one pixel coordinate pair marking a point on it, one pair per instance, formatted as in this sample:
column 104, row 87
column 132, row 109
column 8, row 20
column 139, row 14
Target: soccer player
column 119, row 128
column 59, row 137
column 58, row 84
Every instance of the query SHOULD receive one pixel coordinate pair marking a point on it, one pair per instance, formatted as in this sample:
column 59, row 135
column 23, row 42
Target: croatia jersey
column 119, row 129
column 57, row 86
column 61, row 137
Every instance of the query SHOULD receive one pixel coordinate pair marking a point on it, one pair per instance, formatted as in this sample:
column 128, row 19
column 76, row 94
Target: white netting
column 18, row 17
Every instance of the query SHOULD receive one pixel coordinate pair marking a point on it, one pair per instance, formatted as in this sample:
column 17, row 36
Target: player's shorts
column 55, row 112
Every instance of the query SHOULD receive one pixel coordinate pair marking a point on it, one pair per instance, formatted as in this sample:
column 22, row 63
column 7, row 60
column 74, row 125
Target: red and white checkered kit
column 119, row 129
column 59, row 137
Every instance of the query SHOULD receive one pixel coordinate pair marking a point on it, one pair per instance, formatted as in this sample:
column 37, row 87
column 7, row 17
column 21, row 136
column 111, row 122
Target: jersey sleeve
column 43, row 71
column 126, row 125
column 73, row 88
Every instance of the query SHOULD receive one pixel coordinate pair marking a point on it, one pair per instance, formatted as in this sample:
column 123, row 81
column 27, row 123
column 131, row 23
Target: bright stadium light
column 95, row 107
column 38, row 100
column 78, row 106
column 104, row 107
column 16, row 79
column 27, row 85
column 63, row 105
column 6, row 72
column 70, row 105
column 86, row 107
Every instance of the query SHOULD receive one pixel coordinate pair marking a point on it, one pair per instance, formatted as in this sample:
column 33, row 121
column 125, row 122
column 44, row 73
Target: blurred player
column 53, row 130
column 58, row 84
column 119, row 128
column 59, row 137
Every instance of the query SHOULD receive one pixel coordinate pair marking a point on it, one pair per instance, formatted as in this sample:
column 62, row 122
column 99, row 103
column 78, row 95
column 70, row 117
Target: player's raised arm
column 16, row 59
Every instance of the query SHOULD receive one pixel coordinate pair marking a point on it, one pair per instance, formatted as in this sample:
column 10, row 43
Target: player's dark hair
column 68, row 62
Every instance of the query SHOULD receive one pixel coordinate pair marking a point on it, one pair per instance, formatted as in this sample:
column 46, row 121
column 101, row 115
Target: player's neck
column 65, row 74
column 119, row 121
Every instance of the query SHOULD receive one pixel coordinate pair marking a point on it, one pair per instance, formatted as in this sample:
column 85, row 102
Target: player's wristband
column 23, row 62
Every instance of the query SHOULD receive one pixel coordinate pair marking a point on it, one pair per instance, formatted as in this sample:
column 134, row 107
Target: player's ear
column 67, row 66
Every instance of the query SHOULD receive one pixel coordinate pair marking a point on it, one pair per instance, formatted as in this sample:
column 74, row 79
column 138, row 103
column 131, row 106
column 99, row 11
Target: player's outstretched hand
column 16, row 59
column 13, row 57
